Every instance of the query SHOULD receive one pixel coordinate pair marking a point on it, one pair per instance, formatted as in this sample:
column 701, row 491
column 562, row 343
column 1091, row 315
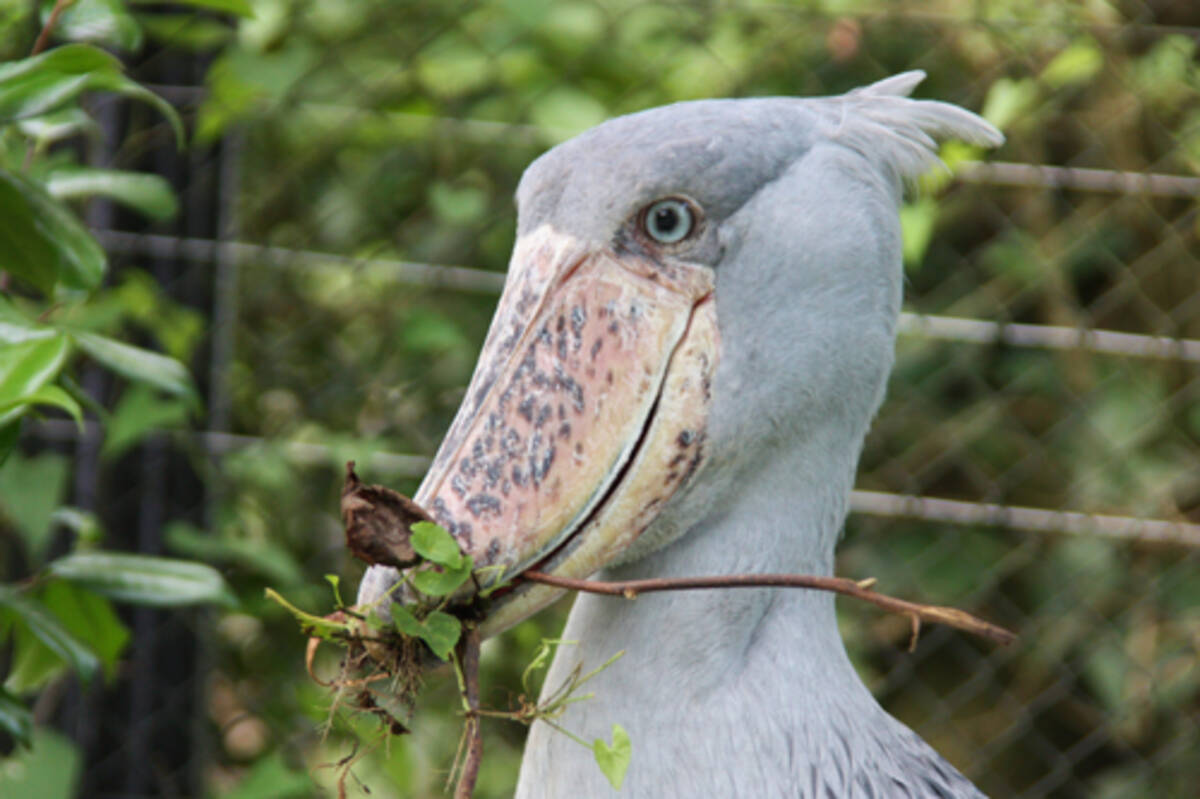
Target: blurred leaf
column 42, row 242
column 270, row 777
column 1119, row 416
column 33, row 616
column 46, row 395
column 48, row 769
column 144, row 579
column 917, row 221
column 105, row 22
column 1078, row 63
column 140, row 365
column 1167, row 73
column 272, row 561
column 34, row 665
column 1008, row 100
column 436, row 545
column 30, row 489
column 452, row 66
column 1014, row 254
column 16, row 721
column 242, row 8
column 230, row 98
column 16, row 329
column 953, row 153
column 178, row 328
column 243, row 83
column 457, row 205
column 58, row 125
column 186, row 31
column 141, row 299
column 127, row 87
column 41, row 83
column 9, row 434
column 90, row 618
column 84, row 524
column 427, row 331
column 614, row 760
column 150, row 195
column 565, row 111
column 73, row 59
column 141, row 411
column 29, row 359
column 268, row 30
column 1106, row 666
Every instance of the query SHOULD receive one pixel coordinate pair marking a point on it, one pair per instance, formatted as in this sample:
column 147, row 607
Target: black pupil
column 666, row 219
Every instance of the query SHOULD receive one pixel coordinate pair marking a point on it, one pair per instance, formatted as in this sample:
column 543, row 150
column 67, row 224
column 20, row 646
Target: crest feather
column 901, row 134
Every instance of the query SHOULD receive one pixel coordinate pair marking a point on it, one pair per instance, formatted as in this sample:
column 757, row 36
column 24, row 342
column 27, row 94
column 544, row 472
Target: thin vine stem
column 468, row 656
column 916, row 611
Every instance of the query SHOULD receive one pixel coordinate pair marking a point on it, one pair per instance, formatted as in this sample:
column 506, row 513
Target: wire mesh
column 346, row 231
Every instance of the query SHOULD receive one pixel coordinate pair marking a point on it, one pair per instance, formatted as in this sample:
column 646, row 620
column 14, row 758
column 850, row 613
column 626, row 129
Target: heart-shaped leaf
column 406, row 622
column 614, row 760
column 439, row 630
column 432, row 542
column 432, row 582
column 442, row 632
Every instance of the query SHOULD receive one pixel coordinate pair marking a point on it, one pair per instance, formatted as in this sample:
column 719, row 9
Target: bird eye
column 668, row 221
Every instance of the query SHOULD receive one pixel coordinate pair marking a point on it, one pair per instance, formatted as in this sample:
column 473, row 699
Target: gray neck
column 734, row 692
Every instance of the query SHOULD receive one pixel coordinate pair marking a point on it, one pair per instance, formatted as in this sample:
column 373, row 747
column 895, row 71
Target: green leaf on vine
column 614, row 760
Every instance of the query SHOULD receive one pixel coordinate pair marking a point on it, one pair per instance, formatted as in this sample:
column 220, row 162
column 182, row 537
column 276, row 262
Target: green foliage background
column 58, row 622
column 375, row 137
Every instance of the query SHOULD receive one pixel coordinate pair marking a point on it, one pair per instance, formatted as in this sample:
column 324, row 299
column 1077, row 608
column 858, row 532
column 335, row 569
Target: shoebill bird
column 695, row 331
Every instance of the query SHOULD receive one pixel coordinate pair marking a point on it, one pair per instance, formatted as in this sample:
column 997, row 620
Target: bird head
column 692, row 288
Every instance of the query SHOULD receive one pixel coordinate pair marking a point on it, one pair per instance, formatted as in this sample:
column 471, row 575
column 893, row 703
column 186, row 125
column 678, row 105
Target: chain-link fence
column 347, row 219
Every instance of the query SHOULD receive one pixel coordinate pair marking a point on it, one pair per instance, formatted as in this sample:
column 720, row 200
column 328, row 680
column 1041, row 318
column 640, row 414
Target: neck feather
column 733, row 692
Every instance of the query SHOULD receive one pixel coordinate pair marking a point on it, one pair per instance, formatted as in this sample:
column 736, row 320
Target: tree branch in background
column 916, row 611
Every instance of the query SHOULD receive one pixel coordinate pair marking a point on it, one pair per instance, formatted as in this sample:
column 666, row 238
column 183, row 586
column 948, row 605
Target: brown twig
column 914, row 610
column 43, row 38
column 468, row 658
column 39, row 44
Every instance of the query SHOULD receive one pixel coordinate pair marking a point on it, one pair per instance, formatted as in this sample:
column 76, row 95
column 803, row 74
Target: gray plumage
column 749, row 693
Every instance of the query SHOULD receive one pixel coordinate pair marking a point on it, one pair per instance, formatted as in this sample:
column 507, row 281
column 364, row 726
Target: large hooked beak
column 586, row 413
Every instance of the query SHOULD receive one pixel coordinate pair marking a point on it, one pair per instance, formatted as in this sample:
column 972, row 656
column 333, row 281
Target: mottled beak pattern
column 585, row 415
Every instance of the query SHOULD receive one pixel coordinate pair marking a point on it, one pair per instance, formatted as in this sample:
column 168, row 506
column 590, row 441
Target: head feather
column 898, row 133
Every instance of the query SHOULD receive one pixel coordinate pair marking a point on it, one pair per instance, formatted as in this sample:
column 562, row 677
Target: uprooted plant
column 431, row 617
